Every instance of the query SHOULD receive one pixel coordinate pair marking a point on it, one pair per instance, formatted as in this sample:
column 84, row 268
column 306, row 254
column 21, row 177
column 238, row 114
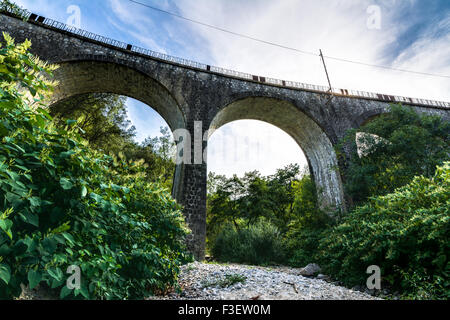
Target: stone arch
column 82, row 77
column 311, row 138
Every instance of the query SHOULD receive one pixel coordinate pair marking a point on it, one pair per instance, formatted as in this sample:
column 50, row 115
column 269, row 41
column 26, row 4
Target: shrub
column 406, row 233
column 63, row 204
column 11, row 7
column 258, row 244
column 302, row 245
column 307, row 227
column 397, row 146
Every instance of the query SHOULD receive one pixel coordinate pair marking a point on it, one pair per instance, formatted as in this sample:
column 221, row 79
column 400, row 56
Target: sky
column 402, row 34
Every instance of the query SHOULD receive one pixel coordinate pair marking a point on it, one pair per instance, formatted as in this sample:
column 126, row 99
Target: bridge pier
column 194, row 202
column 190, row 184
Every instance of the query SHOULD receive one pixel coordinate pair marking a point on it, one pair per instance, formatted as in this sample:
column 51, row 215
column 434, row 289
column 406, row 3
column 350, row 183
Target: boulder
column 323, row 277
column 310, row 270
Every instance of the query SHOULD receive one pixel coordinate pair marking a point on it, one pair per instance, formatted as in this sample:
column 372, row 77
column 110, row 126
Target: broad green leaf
column 66, row 184
column 68, row 237
column 5, row 273
column 6, row 225
column 96, row 197
column 55, row 273
column 83, row 192
column 30, row 218
column 45, row 113
column 64, row 292
column 35, row 201
column 85, row 292
column 57, row 283
column 67, row 154
column 34, row 278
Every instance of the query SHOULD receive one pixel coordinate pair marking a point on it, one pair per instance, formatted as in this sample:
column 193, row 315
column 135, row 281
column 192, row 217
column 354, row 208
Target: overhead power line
column 224, row 30
column 280, row 45
column 386, row 67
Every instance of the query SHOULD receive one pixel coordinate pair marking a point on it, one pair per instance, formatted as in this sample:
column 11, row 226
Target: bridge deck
column 122, row 46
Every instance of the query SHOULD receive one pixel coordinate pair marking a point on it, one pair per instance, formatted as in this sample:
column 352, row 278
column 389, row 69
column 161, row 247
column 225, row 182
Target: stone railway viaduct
column 193, row 96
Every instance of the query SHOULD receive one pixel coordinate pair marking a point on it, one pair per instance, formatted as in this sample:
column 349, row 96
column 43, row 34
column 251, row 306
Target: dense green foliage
column 103, row 120
column 63, row 204
column 401, row 224
column 9, row 6
column 254, row 219
column 406, row 233
column 102, row 117
column 260, row 243
column 307, row 227
column 243, row 201
column 397, row 146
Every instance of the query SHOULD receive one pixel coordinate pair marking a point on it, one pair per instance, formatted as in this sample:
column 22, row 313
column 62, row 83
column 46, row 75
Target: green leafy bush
column 302, row 243
column 11, row 7
column 103, row 121
column 398, row 146
column 260, row 243
column 307, row 226
column 63, row 204
column 406, row 233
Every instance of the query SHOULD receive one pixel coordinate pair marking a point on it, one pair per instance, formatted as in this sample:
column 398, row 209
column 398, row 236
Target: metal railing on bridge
column 31, row 17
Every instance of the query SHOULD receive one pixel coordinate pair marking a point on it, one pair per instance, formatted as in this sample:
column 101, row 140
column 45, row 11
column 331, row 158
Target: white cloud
column 340, row 29
column 51, row 9
column 248, row 145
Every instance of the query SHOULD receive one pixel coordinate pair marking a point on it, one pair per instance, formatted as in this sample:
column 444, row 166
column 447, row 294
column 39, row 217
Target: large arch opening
column 311, row 138
column 80, row 78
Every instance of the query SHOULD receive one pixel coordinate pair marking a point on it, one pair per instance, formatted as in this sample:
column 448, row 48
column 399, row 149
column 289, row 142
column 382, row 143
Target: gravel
column 202, row 281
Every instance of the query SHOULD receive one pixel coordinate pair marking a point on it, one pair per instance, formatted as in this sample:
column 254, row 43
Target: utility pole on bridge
column 328, row 78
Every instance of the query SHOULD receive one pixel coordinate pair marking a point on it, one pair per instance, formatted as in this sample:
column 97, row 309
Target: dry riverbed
column 206, row 281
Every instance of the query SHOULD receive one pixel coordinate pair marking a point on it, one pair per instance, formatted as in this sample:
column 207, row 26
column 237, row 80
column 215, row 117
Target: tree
column 397, row 146
column 244, row 201
column 159, row 154
column 102, row 117
column 9, row 6
column 405, row 233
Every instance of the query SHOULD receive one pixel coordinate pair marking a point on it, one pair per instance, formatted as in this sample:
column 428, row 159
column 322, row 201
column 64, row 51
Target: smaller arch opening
column 123, row 127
